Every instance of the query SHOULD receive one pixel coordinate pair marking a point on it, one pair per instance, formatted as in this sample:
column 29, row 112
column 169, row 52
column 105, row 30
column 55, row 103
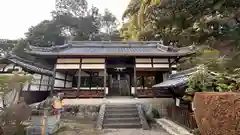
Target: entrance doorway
column 120, row 74
column 120, row 85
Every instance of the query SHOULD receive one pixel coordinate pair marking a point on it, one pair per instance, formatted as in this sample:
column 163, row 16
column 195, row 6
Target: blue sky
column 18, row 15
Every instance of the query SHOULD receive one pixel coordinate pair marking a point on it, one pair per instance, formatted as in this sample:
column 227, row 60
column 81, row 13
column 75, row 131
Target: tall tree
column 138, row 24
column 184, row 22
column 76, row 19
column 6, row 45
column 109, row 23
column 46, row 33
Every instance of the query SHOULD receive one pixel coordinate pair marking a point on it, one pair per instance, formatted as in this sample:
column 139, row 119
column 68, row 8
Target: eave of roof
column 112, row 48
column 28, row 65
column 180, row 78
column 177, row 79
column 172, row 83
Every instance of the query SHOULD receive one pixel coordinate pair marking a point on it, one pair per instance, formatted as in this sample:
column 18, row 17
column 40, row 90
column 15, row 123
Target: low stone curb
column 172, row 128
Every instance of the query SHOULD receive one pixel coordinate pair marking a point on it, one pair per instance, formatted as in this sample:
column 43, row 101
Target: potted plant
column 216, row 102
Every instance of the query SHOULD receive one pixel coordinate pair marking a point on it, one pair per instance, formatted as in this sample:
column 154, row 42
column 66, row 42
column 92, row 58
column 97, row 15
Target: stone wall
column 70, row 93
column 161, row 106
column 81, row 111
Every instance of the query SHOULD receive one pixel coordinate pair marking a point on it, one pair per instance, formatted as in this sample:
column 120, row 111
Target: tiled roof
column 28, row 65
column 177, row 79
column 144, row 48
column 184, row 73
column 173, row 82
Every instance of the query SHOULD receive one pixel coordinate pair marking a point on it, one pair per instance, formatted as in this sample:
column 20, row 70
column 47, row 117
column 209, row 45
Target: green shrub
column 155, row 113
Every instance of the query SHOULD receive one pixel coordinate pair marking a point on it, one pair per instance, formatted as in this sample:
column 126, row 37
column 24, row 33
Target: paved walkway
column 125, row 100
column 134, row 132
column 117, row 132
column 86, row 127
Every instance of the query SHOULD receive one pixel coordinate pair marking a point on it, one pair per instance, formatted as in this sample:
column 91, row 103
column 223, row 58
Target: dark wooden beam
column 170, row 65
column 29, row 86
column 65, row 79
column 90, row 84
column 79, row 76
column 143, row 81
column 105, row 79
column 49, row 81
column 3, row 69
column 152, row 62
column 135, row 78
column 40, row 84
column 14, row 65
column 53, row 80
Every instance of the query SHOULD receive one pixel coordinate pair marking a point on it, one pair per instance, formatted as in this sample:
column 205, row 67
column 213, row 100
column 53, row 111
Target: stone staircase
column 123, row 116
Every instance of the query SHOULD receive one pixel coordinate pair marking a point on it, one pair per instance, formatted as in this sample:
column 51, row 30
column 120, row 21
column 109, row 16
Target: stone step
column 121, row 120
column 120, row 106
column 120, row 115
column 121, row 110
column 122, row 125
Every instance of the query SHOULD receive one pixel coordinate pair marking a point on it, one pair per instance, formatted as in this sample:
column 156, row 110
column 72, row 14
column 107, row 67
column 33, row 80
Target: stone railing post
column 45, row 123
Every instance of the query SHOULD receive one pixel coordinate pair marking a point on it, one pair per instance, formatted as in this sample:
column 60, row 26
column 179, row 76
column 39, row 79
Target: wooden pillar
column 14, row 67
column 90, row 84
column 177, row 61
column 170, row 65
column 79, row 77
column 29, row 86
column 20, row 92
column 105, row 79
column 65, row 79
column 40, row 83
column 53, row 80
column 135, row 79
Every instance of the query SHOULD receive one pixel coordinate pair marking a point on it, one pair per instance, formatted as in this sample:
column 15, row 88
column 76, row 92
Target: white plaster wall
column 60, row 75
column 9, row 66
column 36, row 83
column 174, row 71
column 34, row 87
column 43, row 88
column 58, row 83
column 68, row 84
column 44, row 83
column 19, row 68
column 25, row 87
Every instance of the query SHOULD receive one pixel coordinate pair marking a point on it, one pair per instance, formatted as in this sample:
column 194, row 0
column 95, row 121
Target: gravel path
column 86, row 127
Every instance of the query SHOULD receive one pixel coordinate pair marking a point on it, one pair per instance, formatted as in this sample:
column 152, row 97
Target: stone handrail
column 143, row 120
column 101, row 115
